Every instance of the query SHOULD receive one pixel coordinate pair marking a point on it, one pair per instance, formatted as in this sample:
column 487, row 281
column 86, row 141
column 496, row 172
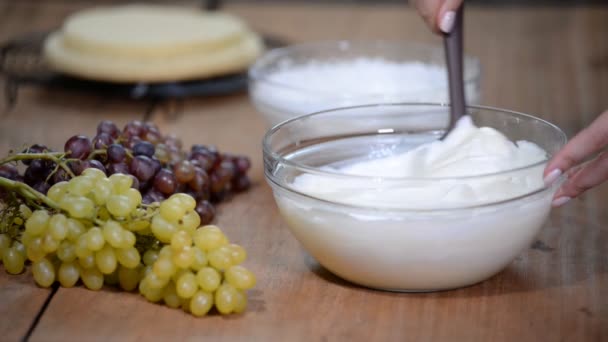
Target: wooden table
column 551, row 62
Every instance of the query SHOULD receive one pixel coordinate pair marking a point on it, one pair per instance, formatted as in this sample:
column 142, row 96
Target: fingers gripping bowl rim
column 401, row 248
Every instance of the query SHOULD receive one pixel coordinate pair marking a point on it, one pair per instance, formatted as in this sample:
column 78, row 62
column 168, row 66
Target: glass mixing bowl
column 307, row 78
column 404, row 246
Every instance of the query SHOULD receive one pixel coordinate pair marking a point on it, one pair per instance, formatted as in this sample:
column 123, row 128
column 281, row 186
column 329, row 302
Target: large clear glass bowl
column 404, row 247
column 417, row 74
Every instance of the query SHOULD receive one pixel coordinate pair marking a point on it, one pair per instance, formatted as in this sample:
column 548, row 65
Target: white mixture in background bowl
column 307, row 78
column 386, row 205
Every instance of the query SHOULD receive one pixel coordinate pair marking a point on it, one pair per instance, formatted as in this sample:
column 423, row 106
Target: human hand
column 438, row 14
column 581, row 177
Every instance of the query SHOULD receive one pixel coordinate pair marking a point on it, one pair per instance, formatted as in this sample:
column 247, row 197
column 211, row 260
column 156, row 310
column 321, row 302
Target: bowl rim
column 279, row 159
column 254, row 73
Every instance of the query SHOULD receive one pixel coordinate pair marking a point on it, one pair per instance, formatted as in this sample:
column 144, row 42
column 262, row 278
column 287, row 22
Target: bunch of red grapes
column 157, row 164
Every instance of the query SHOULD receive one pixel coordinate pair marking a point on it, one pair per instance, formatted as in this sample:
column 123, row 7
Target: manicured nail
column 447, row 21
column 558, row 202
column 552, row 177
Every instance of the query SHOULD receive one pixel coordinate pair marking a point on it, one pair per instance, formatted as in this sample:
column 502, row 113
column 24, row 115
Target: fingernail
column 447, row 21
column 552, row 177
column 558, row 202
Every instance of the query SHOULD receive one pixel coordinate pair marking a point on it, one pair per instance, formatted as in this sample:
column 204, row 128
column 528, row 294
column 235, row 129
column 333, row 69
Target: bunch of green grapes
column 99, row 232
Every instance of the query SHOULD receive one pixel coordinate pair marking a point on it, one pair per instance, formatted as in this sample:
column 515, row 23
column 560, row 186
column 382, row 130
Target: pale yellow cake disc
column 151, row 43
column 194, row 65
column 150, row 30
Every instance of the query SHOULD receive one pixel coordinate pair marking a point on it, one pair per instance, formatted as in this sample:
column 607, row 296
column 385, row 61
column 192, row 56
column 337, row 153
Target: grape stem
column 27, row 192
column 56, row 157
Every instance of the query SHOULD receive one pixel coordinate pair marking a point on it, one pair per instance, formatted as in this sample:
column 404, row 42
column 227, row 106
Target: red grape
column 142, row 167
column 206, row 211
column 118, row 168
column 116, row 153
column 184, row 171
column 109, row 128
column 78, row 147
column 102, row 140
column 143, row 148
column 165, row 182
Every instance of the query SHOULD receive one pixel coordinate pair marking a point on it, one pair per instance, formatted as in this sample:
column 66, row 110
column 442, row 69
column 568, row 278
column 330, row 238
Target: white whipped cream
column 437, row 174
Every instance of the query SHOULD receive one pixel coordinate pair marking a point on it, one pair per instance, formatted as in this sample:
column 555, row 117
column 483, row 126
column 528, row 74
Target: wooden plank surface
column 551, row 62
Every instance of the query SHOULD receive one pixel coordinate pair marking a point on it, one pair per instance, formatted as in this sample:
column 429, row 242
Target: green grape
column 208, row 279
column 220, row 258
column 25, row 211
column 80, row 186
column 121, row 182
column 58, row 227
column 92, row 278
column 68, row 274
column 102, row 191
column 119, row 205
column 128, row 278
column 87, row 262
column 165, row 252
column 164, row 267
column 186, row 285
column 112, row 278
column 5, row 243
column 163, row 230
column 81, row 248
column 105, row 259
column 78, row 207
column 150, row 256
column 240, row 277
column 178, row 274
column 156, row 282
column 225, row 299
column 13, row 260
column 75, row 229
column 134, row 197
column 34, row 250
column 209, row 239
column 138, row 225
column 200, row 259
column 112, row 233
column 145, row 271
column 237, row 253
column 128, row 257
column 128, row 239
column 201, row 303
column 187, row 201
column 37, row 224
column 171, row 298
column 172, row 211
column 93, row 173
column 184, row 257
column 19, row 247
column 43, row 272
column 103, row 214
column 180, row 240
column 49, row 245
column 95, row 239
column 57, row 191
column 240, row 303
column 189, row 222
column 66, row 252
column 152, row 294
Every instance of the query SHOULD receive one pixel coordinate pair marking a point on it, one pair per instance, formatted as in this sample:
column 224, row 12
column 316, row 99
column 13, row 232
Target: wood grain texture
column 551, row 62
column 21, row 301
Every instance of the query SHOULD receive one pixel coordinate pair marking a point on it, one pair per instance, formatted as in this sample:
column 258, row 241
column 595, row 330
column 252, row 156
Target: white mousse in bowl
column 378, row 200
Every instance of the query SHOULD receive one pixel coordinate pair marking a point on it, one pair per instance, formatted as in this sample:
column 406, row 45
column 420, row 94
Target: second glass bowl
column 307, row 78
